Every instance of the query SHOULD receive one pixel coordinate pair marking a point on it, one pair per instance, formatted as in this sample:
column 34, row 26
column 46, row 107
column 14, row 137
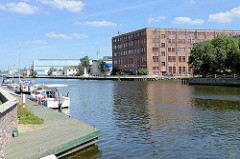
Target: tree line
column 221, row 55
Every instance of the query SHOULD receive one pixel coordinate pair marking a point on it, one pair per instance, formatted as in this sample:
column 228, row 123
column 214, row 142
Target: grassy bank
column 27, row 117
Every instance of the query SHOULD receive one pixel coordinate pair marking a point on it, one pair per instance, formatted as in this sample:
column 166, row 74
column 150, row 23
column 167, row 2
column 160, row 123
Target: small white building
column 70, row 70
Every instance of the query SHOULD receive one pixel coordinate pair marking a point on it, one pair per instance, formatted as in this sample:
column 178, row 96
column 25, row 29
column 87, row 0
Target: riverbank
column 233, row 82
column 115, row 78
column 61, row 135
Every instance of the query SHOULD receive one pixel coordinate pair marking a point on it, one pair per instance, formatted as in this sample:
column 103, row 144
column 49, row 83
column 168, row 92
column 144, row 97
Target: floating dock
column 62, row 136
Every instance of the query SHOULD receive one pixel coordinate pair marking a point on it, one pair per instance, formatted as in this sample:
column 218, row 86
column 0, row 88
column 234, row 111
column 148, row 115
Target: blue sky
column 73, row 29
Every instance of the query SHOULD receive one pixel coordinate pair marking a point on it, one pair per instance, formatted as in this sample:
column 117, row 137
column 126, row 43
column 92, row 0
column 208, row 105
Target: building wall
column 43, row 65
column 158, row 50
column 8, row 119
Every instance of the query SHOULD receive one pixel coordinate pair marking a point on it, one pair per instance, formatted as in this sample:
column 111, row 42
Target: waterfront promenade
column 62, row 135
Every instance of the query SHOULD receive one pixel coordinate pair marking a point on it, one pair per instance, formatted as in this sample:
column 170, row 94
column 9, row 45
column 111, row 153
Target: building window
column 155, row 49
column 155, row 58
column 163, row 64
column 169, row 32
column 181, row 41
column 189, row 69
column 169, row 49
column 154, row 32
column 169, row 58
column 173, row 49
column 170, row 70
column 173, row 41
column 173, row 32
column 162, row 36
column 183, row 69
column 180, row 69
column 179, row 59
column 155, row 40
column 173, row 58
column 162, row 44
column 183, row 58
column 169, row 40
column 181, row 49
column 174, row 70
column 163, row 53
column 155, row 68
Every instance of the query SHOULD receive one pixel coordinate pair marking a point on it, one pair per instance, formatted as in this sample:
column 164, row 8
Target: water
column 156, row 119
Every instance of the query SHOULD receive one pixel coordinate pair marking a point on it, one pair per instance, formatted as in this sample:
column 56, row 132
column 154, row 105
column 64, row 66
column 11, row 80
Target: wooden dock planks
column 63, row 133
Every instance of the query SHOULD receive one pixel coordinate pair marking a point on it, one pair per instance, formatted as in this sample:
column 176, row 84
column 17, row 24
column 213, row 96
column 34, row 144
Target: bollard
column 24, row 100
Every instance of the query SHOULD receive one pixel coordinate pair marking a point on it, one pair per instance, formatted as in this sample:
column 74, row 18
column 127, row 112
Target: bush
column 27, row 117
column 142, row 71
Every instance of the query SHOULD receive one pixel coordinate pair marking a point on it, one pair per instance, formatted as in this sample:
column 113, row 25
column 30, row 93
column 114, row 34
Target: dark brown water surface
column 157, row 119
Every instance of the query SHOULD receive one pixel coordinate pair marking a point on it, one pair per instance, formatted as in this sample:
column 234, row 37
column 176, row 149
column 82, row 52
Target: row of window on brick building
column 179, row 41
column 129, row 52
column 180, row 49
column 172, row 69
column 192, row 33
column 129, row 43
column 129, row 36
column 171, row 59
column 129, row 61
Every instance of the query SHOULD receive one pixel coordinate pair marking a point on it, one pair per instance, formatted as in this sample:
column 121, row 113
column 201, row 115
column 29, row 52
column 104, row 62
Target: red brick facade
column 158, row 50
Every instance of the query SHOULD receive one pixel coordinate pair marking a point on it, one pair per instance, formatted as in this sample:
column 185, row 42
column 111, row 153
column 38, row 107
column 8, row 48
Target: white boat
column 27, row 86
column 53, row 99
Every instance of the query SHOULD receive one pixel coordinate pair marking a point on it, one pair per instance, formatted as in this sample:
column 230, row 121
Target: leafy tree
column 103, row 67
column 80, row 70
column 34, row 73
column 84, row 63
column 215, row 56
column 51, row 70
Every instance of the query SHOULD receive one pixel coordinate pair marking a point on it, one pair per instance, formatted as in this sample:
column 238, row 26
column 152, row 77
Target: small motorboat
column 27, row 86
column 52, row 97
column 7, row 81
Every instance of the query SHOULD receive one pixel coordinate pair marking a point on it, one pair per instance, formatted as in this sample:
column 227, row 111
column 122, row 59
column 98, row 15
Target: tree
column 84, row 63
column 34, row 73
column 51, row 70
column 103, row 67
column 215, row 56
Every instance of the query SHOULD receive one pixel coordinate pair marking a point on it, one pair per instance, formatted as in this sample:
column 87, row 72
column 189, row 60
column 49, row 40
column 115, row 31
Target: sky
column 72, row 29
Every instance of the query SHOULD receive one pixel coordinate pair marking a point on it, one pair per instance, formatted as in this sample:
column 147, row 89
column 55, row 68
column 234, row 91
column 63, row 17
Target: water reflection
column 89, row 152
column 157, row 119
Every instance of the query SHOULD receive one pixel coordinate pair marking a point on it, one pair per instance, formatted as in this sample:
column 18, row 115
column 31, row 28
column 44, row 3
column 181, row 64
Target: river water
column 156, row 119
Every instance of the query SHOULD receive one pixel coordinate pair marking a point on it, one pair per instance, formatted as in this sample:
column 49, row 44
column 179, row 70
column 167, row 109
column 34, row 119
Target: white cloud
column 188, row 21
column 20, row 7
column 79, row 36
column 40, row 42
column 157, row 19
column 97, row 23
column 70, row 5
column 225, row 17
column 63, row 36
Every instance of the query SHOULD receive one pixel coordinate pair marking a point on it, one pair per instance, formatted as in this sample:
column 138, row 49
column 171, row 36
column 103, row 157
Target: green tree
column 215, row 56
column 51, row 70
column 84, row 63
column 103, row 67
column 34, row 73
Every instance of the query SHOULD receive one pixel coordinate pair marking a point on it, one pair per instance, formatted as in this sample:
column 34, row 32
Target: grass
column 27, row 117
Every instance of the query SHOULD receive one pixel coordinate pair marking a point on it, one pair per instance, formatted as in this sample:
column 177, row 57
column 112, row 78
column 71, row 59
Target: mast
column 19, row 64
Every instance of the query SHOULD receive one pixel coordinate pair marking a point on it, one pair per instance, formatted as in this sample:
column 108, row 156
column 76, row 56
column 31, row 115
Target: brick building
column 160, row 51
